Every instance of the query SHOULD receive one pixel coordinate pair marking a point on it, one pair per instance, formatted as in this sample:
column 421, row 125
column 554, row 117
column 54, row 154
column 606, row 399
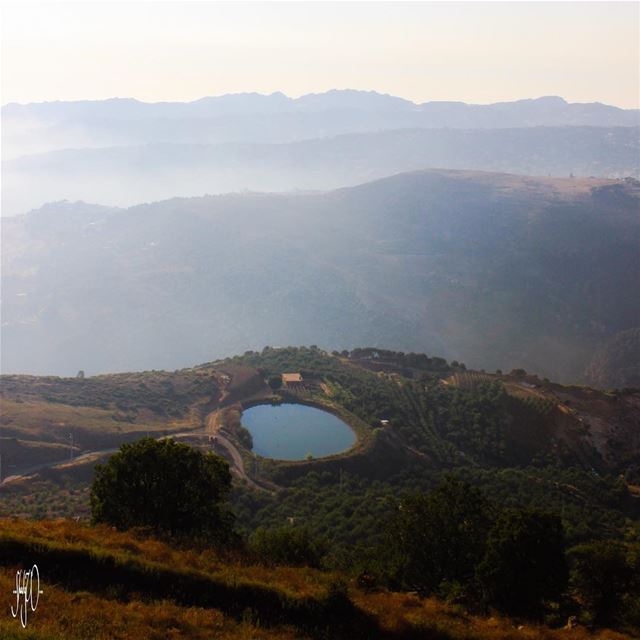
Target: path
column 58, row 464
column 213, row 427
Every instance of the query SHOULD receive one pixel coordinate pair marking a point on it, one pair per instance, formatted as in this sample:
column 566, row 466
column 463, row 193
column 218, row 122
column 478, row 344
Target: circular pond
column 292, row 431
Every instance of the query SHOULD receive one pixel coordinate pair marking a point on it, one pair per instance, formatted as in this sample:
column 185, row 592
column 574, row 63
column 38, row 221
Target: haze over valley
column 502, row 235
column 124, row 152
column 495, row 270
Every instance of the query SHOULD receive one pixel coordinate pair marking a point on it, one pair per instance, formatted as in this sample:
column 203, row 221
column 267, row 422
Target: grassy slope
column 99, row 583
column 39, row 413
column 224, row 597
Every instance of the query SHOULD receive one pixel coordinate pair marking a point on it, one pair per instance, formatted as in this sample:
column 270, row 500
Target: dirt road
column 81, row 459
column 213, row 426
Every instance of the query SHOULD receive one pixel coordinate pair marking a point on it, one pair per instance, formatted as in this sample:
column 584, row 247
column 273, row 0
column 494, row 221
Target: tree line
column 452, row 541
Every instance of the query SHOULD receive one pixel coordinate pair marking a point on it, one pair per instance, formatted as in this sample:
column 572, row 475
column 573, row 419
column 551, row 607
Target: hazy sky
column 476, row 52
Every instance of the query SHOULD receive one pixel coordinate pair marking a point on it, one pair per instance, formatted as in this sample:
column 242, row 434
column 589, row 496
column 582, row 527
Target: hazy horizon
column 478, row 53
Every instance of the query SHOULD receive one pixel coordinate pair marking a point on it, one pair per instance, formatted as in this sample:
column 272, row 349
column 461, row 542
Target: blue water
column 291, row 431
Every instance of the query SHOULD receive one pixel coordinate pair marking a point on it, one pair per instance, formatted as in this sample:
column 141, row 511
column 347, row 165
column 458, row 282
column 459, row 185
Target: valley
column 413, row 416
column 525, row 442
column 478, row 267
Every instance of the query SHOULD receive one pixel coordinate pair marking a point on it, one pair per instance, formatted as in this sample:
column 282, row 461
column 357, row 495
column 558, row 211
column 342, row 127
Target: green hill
column 523, row 442
column 526, row 441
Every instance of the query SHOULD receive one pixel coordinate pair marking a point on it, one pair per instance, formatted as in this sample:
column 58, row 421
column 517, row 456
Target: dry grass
column 44, row 420
column 81, row 615
column 98, row 615
column 469, row 379
column 38, row 432
column 68, row 534
column 399, row 613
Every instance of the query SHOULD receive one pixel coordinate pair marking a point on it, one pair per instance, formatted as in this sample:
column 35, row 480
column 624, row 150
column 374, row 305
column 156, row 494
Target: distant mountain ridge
column 530, row 111
column 252, row 117
column 122, row 151
column 128, row 175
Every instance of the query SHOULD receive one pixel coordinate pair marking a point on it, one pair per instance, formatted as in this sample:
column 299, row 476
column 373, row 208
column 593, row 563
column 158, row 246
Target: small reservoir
column 291, row 431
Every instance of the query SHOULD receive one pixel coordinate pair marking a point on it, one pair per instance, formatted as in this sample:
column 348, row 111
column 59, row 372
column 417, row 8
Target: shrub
column 524, row 563
column 439, row 537
column 287, row 546
column 164, row 485
column 605, row 580
column 244, row 436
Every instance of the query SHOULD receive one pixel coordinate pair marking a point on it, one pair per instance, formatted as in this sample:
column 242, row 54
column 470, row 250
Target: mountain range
column 123, row 152
column 496, row 270
column 544, row 111
column 127, row 175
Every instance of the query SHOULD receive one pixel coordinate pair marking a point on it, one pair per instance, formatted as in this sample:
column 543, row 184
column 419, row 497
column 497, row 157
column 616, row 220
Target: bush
column 524, row 564
column 439, row 537
column 245, row 438
column 605, row 580
column 287, row 546
column 169, row 487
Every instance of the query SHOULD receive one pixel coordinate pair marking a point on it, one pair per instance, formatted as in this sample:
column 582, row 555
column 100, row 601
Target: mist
column 124, row 152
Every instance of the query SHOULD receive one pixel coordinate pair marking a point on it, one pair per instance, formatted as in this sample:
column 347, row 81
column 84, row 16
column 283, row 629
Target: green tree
column 164, row 485
column 602, row 577
column 524, row 564
column 245, row 437
column 275, row 382
column 439, row 538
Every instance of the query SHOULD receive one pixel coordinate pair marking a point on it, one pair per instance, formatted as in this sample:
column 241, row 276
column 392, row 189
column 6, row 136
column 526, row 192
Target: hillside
column 493, row 270
column 524, row 442
column 39, row 415
column 561, row 446
column 319, row 320
column 160, row 170
column 122, row 152
column 617, row 362
column 115, row 585
column 252, row 117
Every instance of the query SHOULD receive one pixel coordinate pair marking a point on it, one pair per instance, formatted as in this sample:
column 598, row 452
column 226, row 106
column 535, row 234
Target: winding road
column 213, row 427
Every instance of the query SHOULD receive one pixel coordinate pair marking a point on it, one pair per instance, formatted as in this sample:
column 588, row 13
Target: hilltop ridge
column 492, row 269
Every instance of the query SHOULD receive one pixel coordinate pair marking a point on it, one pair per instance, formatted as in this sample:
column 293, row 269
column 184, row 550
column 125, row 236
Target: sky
column 477, row 52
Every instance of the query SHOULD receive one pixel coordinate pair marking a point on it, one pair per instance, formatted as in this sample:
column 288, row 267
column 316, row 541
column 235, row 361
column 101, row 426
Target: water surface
column 291, row 431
